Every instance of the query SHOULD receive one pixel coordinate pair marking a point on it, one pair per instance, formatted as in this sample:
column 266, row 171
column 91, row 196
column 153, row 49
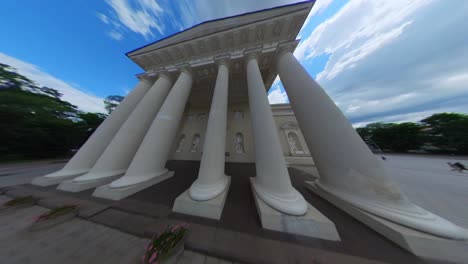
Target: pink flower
column 153, row 257
column 149, row 246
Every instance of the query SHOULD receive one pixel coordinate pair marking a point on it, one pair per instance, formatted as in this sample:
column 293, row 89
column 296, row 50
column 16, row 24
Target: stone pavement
column 429, row 182
column 238, row 236
column 75, row 241
column 23, row 172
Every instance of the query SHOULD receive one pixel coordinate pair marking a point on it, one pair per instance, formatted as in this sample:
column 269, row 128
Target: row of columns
column 136, row 144
column 97, row 143
column 121, row 151
column 139, row 149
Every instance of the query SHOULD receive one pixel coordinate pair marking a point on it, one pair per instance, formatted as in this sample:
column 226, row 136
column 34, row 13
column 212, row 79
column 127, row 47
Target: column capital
column 283, row 50
column 185, row 68
column 145, row 77
column 167, row 75
column 251, row 54
column 223, row 60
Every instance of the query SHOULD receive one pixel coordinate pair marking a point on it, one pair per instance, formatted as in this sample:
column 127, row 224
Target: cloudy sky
column 379, row 60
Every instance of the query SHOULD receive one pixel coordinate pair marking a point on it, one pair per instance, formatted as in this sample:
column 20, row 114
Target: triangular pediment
column 289, row 124
column 223, row 24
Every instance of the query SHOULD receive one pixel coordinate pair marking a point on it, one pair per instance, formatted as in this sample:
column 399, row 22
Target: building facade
column 203, row 96
column 188, row 143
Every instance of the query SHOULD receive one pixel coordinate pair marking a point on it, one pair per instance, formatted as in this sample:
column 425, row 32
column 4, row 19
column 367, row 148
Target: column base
column 212, row 208
column 71, row 186
column 56, row 178
column 419, row 243
column 313, row 224
column 48, row 181
column 116, row 194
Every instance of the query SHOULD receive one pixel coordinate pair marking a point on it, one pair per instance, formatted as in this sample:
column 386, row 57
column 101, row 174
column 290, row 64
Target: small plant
column 19, row 201
column 54, row 213
column 160, row 247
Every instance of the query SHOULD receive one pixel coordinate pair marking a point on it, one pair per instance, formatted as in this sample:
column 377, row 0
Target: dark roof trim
column 218, row 19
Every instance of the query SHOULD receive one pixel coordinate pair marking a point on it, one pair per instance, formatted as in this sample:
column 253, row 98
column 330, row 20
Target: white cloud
column 318, row 8
column 115, row 34
column 84, row 101
column 389, row 61
column 148, row 17
column 139, row 16
column 277, row 96
column 103, row 18
column 356, row 27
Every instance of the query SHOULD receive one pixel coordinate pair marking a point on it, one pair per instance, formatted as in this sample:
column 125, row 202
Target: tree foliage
column 112, row 101
column 395, row 137
column 443, row 132
column 448, row 132
column 35, row 122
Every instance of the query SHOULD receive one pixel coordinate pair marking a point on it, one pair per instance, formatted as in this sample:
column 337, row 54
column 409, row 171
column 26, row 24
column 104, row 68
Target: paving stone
column 305, row 255
column 21, row 190
column 271, row 252
column 4, row 198
column 191, row 257
column 211, row 260
column 201, row 238
column 236, row 246
column 86, row 208
column 159, row 225
column 130, row 223
column 143, row 208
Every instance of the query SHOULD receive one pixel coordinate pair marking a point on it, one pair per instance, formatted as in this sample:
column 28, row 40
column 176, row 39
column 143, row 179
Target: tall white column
column 211, row 179
column 151, row 157
column 348, row 169
column 89, row 153
column 272, row 183
column 118, row 155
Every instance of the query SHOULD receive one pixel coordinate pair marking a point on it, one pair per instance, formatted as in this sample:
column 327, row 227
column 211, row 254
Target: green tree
column 112, row 101
column 35, row 122
column 395, row 137
column 90, row 121
column 448, row 132
column 9, row 78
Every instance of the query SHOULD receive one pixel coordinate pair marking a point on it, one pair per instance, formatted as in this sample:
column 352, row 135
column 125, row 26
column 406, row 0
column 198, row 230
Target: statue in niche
column 238, row 114
column 201, row 116
column 239, row 143
column 190, row 117
column 294, row 144
column 195, row 143
column 180, row 145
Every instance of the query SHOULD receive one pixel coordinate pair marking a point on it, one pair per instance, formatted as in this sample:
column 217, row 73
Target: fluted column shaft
column 272, row 182
column 348, row 169
column 151, row 157
column 118, row 155
column 211, row 179
column 90, row 152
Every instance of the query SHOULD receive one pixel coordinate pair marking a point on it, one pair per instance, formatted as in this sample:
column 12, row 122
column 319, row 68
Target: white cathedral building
column 203, row 97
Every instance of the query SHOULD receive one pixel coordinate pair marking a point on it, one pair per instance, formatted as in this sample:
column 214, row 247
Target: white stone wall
column 195, row 122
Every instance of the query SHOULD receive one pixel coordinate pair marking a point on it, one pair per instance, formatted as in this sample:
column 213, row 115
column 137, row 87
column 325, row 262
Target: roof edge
column 217, row 19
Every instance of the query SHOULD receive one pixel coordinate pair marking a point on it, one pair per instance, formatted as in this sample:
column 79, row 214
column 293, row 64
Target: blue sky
column 379, row 60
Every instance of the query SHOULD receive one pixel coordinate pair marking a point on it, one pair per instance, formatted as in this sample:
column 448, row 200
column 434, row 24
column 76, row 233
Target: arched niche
column 291, row 134
column 239, row 143
column 294, row 144
column 180, row 143
column 195, row 143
